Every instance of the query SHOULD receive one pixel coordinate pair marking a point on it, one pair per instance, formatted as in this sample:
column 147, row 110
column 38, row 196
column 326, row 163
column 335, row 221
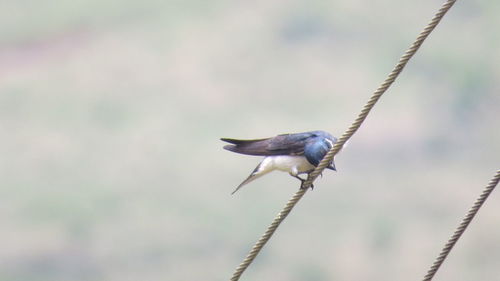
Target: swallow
column 296, row 153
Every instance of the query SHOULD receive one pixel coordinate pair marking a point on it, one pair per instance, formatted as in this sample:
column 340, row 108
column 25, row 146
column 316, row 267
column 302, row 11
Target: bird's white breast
column 288, row 163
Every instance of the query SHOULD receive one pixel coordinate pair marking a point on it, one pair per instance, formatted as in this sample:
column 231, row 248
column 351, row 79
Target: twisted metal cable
column 269, row 232
column 461, row 228
column 340, row 142
column 378, row 93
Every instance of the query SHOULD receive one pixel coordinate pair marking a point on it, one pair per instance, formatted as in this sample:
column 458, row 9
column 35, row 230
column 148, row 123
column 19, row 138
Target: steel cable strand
column 378, row 93
column 340, row 142
column 267, row 235
column 462, row 227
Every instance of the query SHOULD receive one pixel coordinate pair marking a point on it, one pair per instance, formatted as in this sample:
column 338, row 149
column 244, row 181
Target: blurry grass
column 27, row 21
column 111, row 113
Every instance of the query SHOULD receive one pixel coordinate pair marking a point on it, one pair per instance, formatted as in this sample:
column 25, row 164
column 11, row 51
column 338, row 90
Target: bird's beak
column 332, row 166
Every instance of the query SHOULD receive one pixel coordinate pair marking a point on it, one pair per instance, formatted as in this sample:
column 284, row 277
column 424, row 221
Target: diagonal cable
column 461, row 228
column 378, row 93
column 340, row 142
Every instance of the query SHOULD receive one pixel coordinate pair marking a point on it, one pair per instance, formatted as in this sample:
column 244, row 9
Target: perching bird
column 293, row 153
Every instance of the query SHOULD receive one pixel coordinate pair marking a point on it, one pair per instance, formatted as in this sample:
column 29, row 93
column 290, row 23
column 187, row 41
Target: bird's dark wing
column 286, row 144
column 250, row 147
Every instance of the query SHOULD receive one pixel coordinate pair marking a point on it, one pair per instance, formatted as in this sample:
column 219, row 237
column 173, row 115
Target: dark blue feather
column 317, row 147
column 285, row 144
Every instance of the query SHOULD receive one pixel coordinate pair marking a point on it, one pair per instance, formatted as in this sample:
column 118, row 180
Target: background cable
column 462, row 227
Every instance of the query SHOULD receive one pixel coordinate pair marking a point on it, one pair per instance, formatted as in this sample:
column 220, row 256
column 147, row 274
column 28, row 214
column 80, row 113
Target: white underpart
column 294, row 165
column 286, row 163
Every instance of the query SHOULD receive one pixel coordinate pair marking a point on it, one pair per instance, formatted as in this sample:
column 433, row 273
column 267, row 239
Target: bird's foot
column 303, row 187
column 302, row 181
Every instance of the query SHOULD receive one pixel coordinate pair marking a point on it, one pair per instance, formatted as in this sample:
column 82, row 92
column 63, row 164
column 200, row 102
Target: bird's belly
column 288, row 163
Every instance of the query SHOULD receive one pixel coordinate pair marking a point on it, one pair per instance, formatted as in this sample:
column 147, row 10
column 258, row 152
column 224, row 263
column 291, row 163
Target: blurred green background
column 111, row 114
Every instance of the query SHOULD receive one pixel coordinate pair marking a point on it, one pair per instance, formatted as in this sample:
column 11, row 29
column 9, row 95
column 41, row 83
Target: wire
column 462, row 227
column 340, row 142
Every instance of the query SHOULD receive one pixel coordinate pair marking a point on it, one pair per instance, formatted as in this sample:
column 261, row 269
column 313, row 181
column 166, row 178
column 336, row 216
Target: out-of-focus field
column 111, row 112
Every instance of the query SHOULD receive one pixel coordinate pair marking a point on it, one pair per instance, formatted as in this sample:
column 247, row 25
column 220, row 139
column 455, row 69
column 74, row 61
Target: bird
column 297, row 153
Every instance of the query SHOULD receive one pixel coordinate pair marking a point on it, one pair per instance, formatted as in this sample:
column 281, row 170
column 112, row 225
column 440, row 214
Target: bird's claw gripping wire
column 302, row 181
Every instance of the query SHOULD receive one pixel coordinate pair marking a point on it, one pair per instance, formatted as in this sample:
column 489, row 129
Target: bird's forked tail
column 257, row 173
